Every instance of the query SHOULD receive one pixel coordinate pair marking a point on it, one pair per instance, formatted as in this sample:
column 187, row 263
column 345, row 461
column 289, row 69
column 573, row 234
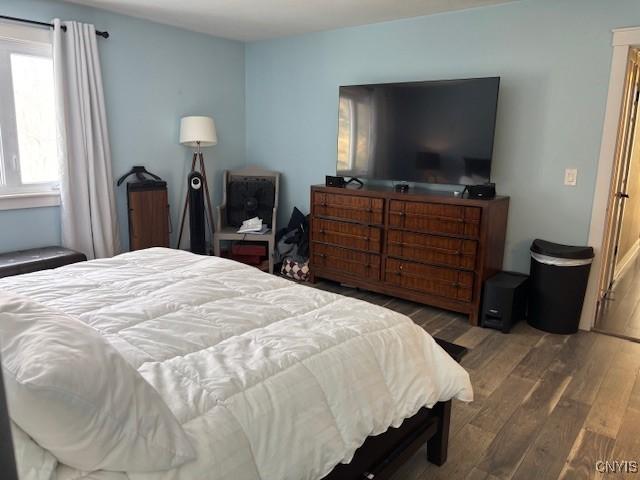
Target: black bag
column 293, row 240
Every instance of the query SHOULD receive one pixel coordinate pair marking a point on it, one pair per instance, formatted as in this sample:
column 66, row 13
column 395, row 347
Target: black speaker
column 484, row 191
column 331, row 181
column 505, row 300
column 196, row 213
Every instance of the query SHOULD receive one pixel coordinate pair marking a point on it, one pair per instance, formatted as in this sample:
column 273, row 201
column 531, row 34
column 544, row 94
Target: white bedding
column 269, row 379
column 32, row 461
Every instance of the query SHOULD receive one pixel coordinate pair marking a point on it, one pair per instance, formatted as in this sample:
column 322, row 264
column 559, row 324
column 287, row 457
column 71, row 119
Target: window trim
column 16, row 201
column 22, row 33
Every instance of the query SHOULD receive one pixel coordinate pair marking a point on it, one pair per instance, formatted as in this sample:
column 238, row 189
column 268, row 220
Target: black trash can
column 558, row 282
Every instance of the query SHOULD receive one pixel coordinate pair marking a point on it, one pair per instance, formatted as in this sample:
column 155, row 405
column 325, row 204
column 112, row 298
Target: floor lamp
column 198, row 132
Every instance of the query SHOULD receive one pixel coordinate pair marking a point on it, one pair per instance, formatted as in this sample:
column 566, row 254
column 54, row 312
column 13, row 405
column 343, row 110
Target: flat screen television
column 432, row 132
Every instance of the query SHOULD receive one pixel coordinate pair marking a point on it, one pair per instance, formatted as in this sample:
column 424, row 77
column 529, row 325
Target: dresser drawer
column 445, row 251
column 360, row 264
column 349, row 235
column 435, row 218
column 349, row 207
column 443, row 282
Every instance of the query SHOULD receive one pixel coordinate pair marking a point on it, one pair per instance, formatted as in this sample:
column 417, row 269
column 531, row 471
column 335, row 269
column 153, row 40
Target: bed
column 269, row 379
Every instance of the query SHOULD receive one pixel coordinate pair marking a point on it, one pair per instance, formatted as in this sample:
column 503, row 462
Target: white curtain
column 88, row 210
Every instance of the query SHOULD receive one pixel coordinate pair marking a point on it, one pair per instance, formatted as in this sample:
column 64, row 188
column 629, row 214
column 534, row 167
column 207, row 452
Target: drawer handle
column 342, row 207
column 341, row 234
column 322, row 255
column 434, row 217
column 440, row 218
column 456, row 284
column 427, row 247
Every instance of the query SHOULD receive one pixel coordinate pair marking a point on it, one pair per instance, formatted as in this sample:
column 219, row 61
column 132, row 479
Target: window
column 356, row 131
column 346, row 134
column 28, row 148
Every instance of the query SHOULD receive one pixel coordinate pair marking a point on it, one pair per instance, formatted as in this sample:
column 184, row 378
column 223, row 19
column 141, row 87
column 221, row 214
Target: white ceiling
column 249, row 20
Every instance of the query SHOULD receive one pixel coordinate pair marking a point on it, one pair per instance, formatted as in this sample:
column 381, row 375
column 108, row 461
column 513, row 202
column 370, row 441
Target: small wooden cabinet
column 148, row 216
column 436, row 249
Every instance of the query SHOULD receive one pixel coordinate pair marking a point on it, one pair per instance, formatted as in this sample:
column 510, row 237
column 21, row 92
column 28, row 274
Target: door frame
column 620, row 175
column 624, row 39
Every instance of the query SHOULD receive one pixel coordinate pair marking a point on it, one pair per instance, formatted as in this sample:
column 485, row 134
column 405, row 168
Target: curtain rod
column 44, row 24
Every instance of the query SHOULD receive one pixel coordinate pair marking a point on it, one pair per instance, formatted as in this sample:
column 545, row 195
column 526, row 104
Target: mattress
column 269, row 379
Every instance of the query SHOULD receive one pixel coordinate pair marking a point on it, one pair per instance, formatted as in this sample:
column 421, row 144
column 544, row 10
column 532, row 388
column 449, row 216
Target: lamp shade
column 196, row 131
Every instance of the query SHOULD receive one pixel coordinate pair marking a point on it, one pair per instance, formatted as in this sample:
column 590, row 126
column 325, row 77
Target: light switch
column 571, row 177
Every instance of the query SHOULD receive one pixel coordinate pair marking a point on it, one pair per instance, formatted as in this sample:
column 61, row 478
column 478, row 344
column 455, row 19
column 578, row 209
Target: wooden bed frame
column 7, row 459
column 378, row 458
column 381, row 456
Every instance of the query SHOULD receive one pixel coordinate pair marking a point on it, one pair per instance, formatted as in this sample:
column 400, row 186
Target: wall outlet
column 571, row 177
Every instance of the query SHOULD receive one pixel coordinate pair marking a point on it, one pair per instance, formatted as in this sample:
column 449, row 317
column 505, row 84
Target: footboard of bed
column 381, row 456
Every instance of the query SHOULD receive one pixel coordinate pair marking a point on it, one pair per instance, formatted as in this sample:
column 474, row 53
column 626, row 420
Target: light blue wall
column 153, row 74
column 554, row 59
column 29, row 228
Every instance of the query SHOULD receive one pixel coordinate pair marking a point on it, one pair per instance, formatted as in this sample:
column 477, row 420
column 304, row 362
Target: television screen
column 433, row 132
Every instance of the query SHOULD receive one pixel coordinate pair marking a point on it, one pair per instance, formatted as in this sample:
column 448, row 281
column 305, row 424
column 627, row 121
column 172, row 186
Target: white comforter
column 271, row 380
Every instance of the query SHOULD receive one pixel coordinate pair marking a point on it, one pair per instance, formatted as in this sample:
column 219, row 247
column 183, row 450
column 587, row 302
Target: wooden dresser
column 430, row 248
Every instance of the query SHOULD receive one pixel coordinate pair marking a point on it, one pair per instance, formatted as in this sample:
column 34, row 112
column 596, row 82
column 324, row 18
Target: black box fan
column 248, row 198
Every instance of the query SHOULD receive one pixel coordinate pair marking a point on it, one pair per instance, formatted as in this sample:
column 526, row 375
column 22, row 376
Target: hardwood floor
column 547, row 406
column 621, row 310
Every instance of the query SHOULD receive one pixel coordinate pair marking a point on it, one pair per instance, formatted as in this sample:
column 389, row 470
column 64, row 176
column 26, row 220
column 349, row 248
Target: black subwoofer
column 505, row 300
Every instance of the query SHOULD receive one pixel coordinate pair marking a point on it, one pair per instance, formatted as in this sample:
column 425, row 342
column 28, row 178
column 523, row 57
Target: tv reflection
column 429, row 164
column 357, row 133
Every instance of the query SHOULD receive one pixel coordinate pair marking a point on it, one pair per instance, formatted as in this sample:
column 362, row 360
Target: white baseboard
column 627, row 260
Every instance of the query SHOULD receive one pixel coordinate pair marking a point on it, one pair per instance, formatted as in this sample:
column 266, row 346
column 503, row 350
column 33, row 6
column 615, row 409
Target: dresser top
column 414, row 194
